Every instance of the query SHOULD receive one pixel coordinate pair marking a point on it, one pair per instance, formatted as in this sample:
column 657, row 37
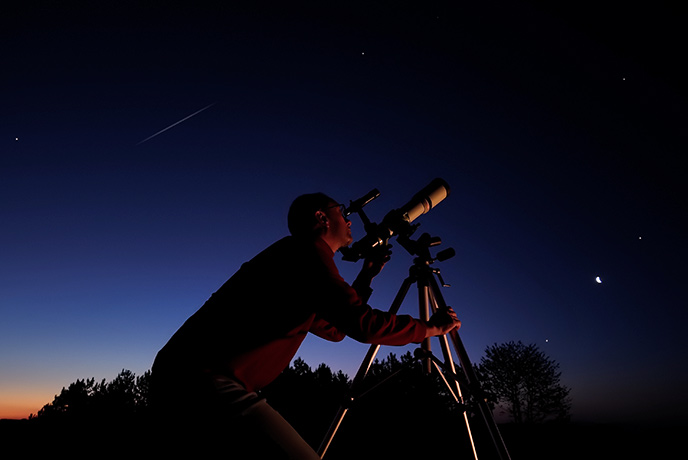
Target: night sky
column 561, row 132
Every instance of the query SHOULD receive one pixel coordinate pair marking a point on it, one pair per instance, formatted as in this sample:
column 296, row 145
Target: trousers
column 231, row 420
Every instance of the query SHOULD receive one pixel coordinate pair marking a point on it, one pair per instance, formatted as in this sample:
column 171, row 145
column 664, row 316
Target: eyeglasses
column 342, row 209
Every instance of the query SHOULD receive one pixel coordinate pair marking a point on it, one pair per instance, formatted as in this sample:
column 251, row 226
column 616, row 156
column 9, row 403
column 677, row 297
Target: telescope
column 399, row 223
column 396, row 223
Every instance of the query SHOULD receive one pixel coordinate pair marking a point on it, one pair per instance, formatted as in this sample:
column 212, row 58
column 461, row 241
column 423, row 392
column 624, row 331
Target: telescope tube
column 397, row 221
column 425, row 200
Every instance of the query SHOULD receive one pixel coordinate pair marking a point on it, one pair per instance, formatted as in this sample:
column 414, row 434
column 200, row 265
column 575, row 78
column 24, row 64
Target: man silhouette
column 206, row 378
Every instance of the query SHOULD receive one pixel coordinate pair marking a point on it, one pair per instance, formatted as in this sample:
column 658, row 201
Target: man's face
column 339, row 226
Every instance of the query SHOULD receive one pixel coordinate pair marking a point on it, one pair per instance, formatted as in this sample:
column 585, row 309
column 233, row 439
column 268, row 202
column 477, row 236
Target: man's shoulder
column 301, row 243
column 290, row 246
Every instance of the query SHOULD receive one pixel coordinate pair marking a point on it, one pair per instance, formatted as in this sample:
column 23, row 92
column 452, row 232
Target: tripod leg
column 344, row 408
column 454, row 387
column 362, row 371
column 476, row 390
column 424, row 314
column 473, row 382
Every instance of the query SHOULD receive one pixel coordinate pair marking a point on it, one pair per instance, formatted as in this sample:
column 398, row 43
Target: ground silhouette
column 408, row 416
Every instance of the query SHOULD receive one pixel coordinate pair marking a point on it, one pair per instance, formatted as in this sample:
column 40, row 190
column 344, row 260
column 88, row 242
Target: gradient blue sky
column 560, row 131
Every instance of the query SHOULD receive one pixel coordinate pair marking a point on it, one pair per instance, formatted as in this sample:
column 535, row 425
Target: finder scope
column 396, row 222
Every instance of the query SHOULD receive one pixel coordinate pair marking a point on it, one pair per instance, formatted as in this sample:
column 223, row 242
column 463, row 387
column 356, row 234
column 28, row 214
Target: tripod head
column 421, row 248
column 396, row 223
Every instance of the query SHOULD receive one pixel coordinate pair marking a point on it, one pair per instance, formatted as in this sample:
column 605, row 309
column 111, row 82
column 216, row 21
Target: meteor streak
column 175, row 124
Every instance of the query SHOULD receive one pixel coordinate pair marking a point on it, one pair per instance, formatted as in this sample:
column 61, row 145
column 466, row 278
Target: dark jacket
column 251, row 328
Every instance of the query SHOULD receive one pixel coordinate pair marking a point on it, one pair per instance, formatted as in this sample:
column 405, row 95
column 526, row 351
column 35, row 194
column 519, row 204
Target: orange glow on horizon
column 15, row 413
column 20, row 407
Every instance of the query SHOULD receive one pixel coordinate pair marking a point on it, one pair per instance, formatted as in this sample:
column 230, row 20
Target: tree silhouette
column 408, row 415
column 87, row 400
column 77, row 400
column 398, row 401
column 524, row 382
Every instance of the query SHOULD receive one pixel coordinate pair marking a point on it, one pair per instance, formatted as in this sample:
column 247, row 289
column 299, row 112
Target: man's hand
column 442, row 322
column 374, row 263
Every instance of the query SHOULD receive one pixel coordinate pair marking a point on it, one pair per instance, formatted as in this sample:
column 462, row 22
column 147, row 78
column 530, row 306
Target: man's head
column 316, row 214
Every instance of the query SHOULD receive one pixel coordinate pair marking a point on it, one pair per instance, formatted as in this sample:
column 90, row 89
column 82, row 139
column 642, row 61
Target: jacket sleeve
column 326, row 331
column 363, row 291
column 348, row 313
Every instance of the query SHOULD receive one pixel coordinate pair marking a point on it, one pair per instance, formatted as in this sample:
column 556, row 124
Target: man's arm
column 326, row 331
column 372, row 266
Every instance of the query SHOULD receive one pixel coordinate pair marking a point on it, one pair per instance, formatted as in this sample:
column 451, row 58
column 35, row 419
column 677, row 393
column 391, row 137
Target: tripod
column 430, row 300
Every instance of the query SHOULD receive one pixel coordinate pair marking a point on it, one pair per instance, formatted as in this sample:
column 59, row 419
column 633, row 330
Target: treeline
column 400, row 411
column 518, row 380
column 300, row 389
column 126, row 396
column 398, row 398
